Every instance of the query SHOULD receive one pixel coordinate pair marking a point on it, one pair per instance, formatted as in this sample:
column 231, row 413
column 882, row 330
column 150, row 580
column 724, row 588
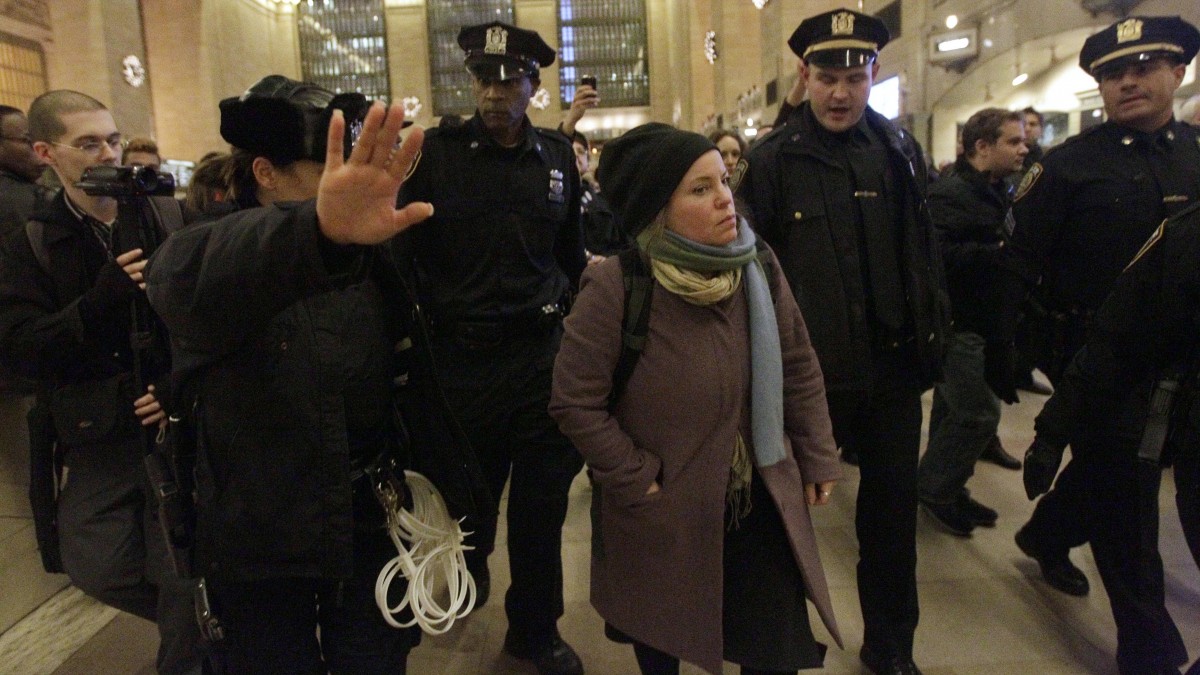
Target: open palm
column 356, row 199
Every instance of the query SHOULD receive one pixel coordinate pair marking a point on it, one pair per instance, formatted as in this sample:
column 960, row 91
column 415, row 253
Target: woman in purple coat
column 706, row 465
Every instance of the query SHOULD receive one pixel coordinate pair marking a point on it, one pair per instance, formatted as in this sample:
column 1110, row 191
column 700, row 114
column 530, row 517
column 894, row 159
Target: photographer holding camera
column 66, row 303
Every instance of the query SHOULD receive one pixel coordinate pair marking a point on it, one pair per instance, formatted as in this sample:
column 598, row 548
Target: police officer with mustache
column 493, row 266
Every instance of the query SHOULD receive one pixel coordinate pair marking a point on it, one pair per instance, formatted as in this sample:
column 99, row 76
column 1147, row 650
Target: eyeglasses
column 19, row 139
column 95, row 146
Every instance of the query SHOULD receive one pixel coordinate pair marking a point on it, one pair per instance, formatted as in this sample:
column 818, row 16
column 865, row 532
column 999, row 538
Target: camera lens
column 145, row 179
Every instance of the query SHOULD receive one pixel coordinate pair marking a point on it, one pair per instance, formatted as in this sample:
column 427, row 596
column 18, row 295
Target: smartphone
column 588, row 80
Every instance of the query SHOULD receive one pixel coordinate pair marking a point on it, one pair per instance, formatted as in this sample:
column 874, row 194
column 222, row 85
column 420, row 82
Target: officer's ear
column 1178, row 71
column 874, row 70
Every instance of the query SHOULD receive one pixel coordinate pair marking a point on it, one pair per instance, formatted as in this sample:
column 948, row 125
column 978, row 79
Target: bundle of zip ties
column 430, row 556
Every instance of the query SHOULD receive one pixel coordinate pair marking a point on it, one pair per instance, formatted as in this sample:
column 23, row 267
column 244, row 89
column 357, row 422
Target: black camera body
column 125, row 181
column 588, row 80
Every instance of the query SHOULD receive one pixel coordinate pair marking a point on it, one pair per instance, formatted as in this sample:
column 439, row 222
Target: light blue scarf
column 766, row 359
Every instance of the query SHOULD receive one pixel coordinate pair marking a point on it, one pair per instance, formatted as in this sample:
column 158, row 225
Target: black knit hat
column 640, row 170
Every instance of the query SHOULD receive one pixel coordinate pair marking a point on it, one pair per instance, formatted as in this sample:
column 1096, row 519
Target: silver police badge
column 843, row 24
column 497, row 41
column 1129, row 30
column 556, row 187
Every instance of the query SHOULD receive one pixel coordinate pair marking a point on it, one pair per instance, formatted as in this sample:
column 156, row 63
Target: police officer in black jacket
column 839, row 194
column 1114, row 406
column 1080, row 216
column 494, row 266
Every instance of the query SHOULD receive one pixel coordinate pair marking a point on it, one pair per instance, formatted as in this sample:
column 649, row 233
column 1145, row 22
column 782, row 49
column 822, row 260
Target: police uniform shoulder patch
column 1154, row 239
column 1031, row 176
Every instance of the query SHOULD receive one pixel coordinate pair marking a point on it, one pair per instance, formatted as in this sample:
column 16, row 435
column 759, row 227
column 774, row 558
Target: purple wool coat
column 657, row 559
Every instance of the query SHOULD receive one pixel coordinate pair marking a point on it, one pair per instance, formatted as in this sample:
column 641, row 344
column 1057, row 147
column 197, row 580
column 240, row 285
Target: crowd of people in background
column 707, row 325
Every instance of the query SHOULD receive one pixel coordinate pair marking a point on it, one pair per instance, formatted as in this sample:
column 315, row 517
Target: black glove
column 113, row 288
column 1041, row 465
column 999, row 364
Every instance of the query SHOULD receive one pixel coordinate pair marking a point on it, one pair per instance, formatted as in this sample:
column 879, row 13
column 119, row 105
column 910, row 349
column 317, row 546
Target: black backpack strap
column 167, row 213
column 635, row 323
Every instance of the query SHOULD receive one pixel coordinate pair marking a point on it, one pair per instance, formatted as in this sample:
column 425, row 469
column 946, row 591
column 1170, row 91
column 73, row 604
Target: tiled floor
column 984, row 608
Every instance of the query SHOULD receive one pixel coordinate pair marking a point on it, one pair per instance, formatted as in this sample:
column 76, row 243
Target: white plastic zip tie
column 430, row 551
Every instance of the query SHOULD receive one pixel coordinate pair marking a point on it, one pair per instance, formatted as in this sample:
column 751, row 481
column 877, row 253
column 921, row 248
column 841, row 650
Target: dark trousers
column 1110, row 499
column 113, row 549
column 271, row 625
column 500, row 394
column 884, row 426
column 1187, row 495
column 963, row 421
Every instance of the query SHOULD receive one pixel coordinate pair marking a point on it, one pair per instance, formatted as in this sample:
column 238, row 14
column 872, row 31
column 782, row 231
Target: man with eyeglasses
column 493, row 265
column 20, row 167
column 65, row 314
column 1081, row 215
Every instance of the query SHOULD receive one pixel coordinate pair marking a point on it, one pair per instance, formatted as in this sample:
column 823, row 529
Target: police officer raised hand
column 356, row 199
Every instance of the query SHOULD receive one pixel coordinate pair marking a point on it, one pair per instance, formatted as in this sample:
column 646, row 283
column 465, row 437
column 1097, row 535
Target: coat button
column 797, row 215
column 283, row 346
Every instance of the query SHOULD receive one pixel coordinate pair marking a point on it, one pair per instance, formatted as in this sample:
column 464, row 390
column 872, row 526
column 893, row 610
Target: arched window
column 607, row 40
column 343, row 46
column 22, row 71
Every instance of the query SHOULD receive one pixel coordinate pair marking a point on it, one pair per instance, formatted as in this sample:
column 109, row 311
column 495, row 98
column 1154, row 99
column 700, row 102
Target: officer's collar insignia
column 843, row 23
column 1129, row 30
column 739, row 172
column 497, row 41
column 1031, row 177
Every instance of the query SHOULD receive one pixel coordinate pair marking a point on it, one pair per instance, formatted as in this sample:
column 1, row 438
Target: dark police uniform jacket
column 288, row 344
column 969, row 212
column 1149, row 324
column 1086, row 209
column 802, row 203
column 505, row 238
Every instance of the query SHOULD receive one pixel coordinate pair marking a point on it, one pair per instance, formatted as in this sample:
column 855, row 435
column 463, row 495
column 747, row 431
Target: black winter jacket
column 289, row 345
column 802, row 205
column 969, row 212
column 46, row 332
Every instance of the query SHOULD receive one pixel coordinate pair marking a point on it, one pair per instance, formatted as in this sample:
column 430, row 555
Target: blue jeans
column 963, row 421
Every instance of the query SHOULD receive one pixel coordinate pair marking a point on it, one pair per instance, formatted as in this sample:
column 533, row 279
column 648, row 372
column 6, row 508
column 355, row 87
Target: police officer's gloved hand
column 1041, row 465
column 999, row 364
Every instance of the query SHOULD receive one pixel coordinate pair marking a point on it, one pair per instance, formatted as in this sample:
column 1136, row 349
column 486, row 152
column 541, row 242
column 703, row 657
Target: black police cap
column 842, row 38
column 285, row 120
column 498, row 51
column 1136, row 39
